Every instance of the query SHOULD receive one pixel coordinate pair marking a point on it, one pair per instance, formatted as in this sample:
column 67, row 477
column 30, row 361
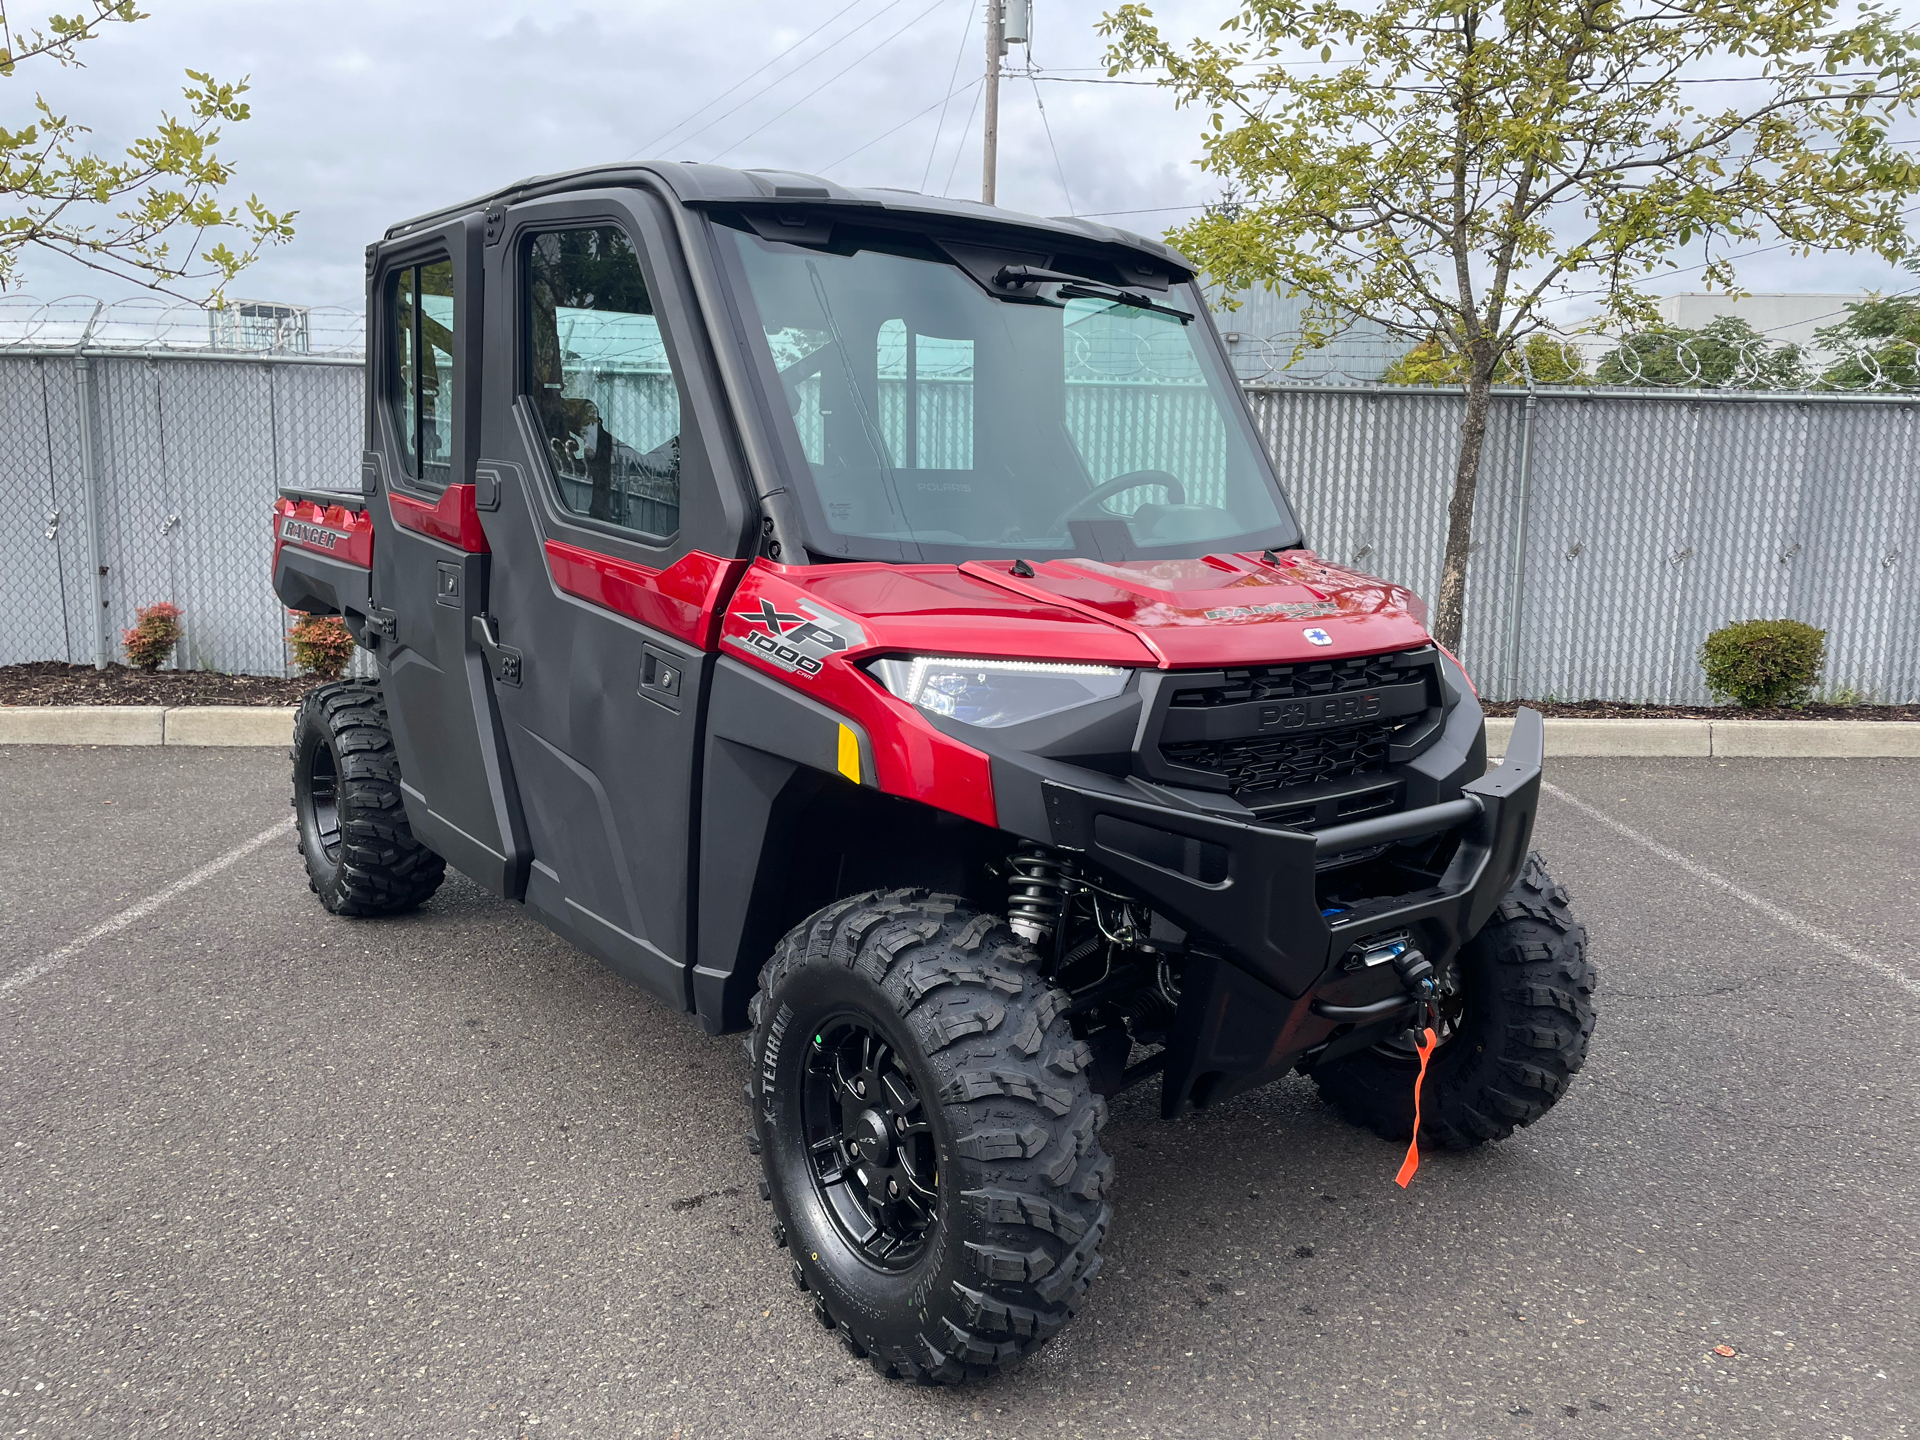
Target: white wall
column 1781, row 318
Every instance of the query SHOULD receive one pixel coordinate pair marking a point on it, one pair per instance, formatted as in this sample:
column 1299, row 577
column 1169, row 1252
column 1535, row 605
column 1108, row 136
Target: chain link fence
column 1614, row 528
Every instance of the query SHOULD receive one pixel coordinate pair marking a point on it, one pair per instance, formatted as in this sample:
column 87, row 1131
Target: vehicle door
column 430, row 561
column 610, row 496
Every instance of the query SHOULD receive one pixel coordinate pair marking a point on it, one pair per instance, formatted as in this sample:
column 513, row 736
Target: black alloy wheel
column 350, row 817
column 321, row 795
column 928, row 1134
column 870, row 1142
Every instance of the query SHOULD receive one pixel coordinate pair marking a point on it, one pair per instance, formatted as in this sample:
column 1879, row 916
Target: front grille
column 1303, row 682
column 1260, row 764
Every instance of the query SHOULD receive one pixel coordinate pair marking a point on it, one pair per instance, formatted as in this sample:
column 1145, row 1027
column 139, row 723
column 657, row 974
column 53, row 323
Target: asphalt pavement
column 264, row 1172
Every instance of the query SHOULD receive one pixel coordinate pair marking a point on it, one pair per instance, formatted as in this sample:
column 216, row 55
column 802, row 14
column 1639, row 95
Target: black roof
column 717, row 185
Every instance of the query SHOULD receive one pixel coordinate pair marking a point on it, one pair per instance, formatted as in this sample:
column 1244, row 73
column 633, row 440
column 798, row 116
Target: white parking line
column 27, row 974
column 1766, row 907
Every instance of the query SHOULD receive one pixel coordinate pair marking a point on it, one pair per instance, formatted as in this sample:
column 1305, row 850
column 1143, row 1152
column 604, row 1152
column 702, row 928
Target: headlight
column 992, row 693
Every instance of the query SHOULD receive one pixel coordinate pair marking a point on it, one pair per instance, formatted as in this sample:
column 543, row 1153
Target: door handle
column 502, row 660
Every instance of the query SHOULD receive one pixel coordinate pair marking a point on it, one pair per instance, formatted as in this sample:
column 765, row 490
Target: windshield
column 939, row 422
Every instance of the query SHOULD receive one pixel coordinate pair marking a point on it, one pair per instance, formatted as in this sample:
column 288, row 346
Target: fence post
column 1518, row 585
column 83, row 389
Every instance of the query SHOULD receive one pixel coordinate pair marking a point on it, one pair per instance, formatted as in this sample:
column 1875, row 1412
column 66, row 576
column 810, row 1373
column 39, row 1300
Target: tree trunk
column 1451, row 605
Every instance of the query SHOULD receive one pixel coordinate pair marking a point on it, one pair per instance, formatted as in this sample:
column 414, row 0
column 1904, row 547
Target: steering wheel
column 1176, row 494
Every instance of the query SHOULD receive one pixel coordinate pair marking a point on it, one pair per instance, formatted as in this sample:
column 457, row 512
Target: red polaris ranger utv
column 871, row 622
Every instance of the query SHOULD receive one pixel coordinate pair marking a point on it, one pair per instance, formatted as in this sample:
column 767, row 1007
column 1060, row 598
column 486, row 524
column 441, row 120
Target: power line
column 961, row 148
column 938, row 104
column 832, row 78
column 1172, row 209
column 965, row 31
column 744, row 78
column 1149, row 210
column 1436, row 89
column 1047, row 125
column 817, row 55
column 1788, row 324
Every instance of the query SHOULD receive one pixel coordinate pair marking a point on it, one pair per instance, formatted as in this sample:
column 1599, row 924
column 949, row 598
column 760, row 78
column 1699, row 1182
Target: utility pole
column 1009, row 22
column 990, row 139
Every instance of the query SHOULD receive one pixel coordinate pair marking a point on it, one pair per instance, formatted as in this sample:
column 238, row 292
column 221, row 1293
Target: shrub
column 1879, row 345
column 1757, row 663
column 1724, row 352
column 322, row 644
column 156, row 630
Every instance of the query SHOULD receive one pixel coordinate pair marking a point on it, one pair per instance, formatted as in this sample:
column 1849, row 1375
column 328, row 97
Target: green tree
column 153, row 215
column 1725, row 353
column 1461, row 166
column 1432, row 362
column 1880, row 345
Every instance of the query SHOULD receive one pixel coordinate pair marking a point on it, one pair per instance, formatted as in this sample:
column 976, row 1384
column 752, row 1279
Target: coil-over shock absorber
column 1038, row 891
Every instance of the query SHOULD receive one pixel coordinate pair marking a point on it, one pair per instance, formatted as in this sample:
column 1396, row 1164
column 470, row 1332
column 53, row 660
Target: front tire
column 929, row 1139
column 359, row 850
column 1524, row 1022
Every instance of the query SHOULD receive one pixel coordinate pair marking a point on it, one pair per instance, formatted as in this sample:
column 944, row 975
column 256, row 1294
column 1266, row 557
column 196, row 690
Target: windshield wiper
column 1079, row 287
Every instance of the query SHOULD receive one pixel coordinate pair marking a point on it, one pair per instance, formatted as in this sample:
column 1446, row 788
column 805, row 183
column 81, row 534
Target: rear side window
column 420, row 383
column 600, row 380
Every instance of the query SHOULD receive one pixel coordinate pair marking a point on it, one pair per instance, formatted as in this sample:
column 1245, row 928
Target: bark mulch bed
column 54, row 682
column 1612, row 710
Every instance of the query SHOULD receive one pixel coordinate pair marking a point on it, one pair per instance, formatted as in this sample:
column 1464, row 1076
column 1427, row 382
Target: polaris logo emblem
column 1328, row 710
column 1318, row 637
column 301, row 533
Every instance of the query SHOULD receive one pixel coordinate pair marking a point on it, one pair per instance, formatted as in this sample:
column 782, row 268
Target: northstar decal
column 1292, row 610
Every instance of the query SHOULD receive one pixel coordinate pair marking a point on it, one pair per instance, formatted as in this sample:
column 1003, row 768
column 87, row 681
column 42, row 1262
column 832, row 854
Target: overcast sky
column 366, row 113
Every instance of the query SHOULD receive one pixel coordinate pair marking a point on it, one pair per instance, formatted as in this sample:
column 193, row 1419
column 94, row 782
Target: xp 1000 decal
column 798, row 643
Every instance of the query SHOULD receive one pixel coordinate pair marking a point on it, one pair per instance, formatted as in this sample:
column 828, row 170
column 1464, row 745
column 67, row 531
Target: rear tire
column 1523, row 1035
column 359, row 850
column 993, row 1135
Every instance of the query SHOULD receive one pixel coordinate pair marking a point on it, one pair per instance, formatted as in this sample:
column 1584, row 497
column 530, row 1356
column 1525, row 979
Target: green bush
column 322, row 644
column 156, row 630
column 1759, row 663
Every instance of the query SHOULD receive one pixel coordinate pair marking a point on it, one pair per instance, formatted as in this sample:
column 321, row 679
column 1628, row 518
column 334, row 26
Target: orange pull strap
column 1412, row 1162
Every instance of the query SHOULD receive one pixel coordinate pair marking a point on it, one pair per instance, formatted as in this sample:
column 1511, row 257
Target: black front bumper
column 1265, row 981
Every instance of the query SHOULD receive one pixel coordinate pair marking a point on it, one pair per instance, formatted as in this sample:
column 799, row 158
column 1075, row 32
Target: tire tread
column 1030, row 1208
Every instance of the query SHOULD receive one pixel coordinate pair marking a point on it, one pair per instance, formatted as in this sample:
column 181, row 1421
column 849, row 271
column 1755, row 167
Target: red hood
column 1186, row 614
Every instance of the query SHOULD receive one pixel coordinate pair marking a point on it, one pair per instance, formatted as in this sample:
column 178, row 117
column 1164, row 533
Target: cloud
column 367, row 113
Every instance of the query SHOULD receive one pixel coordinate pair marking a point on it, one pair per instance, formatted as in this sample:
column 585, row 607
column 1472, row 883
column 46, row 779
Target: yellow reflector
column 849, row 754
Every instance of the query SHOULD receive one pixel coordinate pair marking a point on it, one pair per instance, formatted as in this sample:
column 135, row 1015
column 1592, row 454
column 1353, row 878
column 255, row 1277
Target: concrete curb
column 82, row 724
column 1828, row 739
column 264, row 725
column 230, row 725
column 145, row 725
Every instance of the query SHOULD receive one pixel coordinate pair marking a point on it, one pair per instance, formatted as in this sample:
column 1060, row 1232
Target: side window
column 420, row 376
column 599, row 377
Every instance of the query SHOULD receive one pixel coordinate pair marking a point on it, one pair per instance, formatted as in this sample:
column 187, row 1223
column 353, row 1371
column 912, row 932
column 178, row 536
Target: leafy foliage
column 149, row 216
column 156, row 630
column 1883, row 336
column 1432, row 362
column 322, row 645
column 1761, row 663
column 1460, row 166
column 1726, row 352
